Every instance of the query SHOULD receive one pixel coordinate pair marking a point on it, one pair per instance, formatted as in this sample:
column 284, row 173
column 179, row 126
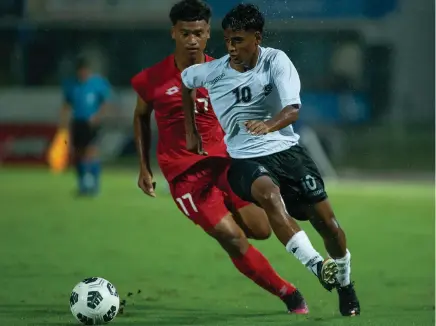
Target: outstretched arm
column 287, row 82
column 194, row 143
column 284, row 118
column 141, row 124
column 192, row 78
column 189, row 109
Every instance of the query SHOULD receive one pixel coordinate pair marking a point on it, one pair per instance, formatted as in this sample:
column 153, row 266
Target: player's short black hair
column 244, row 17
column 81, row 62
column 189, row 11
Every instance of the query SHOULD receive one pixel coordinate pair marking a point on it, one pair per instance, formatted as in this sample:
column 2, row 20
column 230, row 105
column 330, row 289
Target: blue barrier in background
column 334, row 108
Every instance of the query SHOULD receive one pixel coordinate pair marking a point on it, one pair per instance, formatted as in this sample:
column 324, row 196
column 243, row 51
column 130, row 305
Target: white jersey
column 257, row 94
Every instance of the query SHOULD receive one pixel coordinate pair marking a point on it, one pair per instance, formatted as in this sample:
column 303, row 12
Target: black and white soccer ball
column 94, row 301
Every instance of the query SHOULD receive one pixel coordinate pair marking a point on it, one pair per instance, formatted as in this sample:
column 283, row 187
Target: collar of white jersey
column 257, row 62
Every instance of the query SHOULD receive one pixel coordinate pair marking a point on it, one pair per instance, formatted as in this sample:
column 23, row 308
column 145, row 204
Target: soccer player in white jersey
column 255, row 93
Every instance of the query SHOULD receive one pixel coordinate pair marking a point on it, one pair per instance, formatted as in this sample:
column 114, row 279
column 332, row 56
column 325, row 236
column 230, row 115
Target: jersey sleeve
column 141, row 85
column 286, row 79
column 195, row 76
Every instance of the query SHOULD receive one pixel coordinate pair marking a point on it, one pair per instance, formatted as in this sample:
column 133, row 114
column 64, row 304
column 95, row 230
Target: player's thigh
column 251, row 218
column 78, row 131
column 84, row 137
column 242, row 174
column 230, row 236
column 301, row 182
column 296, row 206
column 317, row 206
column 202, row 204
column 91, row 146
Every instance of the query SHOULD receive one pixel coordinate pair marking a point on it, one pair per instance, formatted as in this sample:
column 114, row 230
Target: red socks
column 255, row 266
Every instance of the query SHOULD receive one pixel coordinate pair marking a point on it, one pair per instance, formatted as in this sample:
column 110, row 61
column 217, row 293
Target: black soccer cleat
column 326, row 272
column 348, row 303
column 296, row 303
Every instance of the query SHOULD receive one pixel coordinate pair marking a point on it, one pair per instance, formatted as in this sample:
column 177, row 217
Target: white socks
column 344, row 266
column 301, row 247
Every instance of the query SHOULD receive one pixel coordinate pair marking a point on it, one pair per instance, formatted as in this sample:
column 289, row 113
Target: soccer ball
column 94, row 301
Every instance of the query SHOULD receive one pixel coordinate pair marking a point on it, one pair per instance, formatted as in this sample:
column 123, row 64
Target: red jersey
column 160, row 86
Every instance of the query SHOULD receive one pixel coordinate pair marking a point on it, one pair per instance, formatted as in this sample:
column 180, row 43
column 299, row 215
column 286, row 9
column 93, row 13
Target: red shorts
column 203, row 193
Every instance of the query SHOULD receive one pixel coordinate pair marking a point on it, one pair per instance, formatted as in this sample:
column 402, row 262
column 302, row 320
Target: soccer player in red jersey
column 198, row 183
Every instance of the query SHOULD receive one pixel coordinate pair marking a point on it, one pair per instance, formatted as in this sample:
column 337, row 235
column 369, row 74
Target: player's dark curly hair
column 244, row 17
column 189, row 11
column 81, row 62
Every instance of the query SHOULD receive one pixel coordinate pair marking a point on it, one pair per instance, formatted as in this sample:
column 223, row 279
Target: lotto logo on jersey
column 171, row 91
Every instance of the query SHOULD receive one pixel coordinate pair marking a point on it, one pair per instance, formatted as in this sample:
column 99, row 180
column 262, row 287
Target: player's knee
column 327, row 226
column 325, row 217
column 91, row 152
column 262, row 232
column 231, row 238
column 236, row 243
column 79, row 154
column 267, row 195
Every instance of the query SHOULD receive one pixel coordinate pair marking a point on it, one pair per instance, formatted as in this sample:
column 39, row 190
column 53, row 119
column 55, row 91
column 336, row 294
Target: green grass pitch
column 50, row 241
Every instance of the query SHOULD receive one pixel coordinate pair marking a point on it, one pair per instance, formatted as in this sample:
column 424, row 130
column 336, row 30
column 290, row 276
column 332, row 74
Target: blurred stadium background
column 367, row 71
column 368, row 89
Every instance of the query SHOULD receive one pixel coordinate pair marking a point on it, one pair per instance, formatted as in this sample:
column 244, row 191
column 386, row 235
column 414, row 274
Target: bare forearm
column 143, row 140
column 189, row 110
column 283, row 119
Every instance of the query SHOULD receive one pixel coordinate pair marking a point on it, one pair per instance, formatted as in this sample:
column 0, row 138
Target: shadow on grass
column 150, row 314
